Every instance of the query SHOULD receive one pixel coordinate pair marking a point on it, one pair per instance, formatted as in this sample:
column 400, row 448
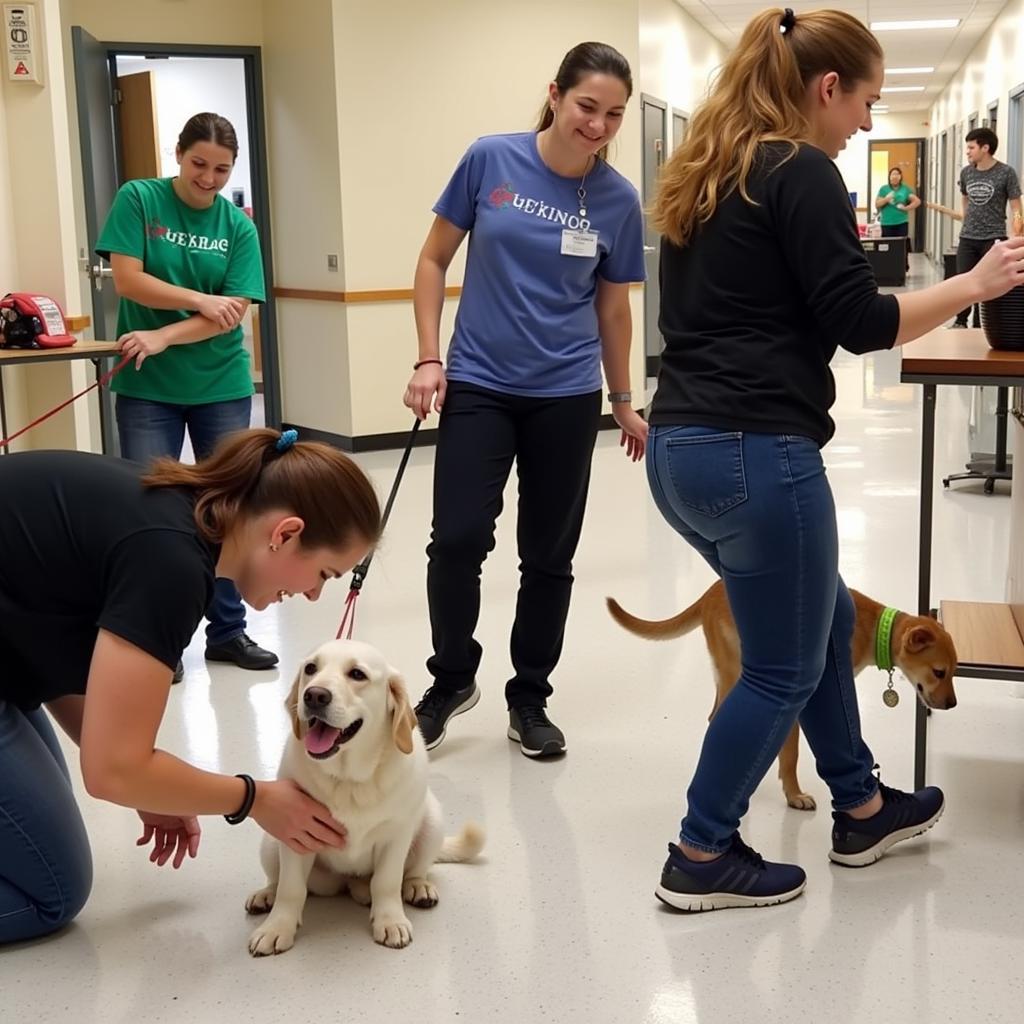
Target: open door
column 99, row 179
column 654, row 116
column 140, row 135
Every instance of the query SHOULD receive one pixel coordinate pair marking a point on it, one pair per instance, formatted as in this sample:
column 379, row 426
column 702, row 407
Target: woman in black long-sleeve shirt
column 762, row 278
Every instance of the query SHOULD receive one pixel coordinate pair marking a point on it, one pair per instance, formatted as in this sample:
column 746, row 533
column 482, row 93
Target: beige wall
column 302, row 103
column 416, row 84
column 37, row 215
column 233, row 22
column 677, row 56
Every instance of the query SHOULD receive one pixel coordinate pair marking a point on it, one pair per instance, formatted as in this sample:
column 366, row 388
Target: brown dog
column 921, row 649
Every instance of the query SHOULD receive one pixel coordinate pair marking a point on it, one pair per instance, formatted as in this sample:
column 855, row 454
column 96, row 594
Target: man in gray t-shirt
column 986, row 186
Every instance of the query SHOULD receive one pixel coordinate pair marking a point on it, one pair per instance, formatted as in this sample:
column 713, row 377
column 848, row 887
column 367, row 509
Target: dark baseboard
column 365, row 443
column 386, row 442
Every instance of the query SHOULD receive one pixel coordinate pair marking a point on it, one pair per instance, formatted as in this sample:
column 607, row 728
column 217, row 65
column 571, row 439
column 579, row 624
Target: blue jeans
column 759, row 509
column 45, row 863
column 149, row 430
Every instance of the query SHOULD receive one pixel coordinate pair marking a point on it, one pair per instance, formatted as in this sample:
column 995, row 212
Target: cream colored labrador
column 357, row 749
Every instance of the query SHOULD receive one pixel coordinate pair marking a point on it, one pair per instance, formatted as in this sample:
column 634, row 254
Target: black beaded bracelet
column 250, row 798
column 426, row 362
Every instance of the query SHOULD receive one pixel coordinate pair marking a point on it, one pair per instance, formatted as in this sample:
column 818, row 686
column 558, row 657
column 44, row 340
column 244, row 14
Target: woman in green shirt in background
column 186, row 265
column 894, row 203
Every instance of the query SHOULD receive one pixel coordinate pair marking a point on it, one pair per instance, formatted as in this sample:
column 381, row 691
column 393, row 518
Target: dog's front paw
column 394, row 932
column 419, row 892
column 273, row 937
column 802, row 801
column 261, row 900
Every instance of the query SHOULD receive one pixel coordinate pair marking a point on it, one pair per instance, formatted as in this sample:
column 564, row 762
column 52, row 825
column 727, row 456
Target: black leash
column 360, row 571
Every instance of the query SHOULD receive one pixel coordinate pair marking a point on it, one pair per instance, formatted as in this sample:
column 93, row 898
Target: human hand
column 170, row 835
column 634, row 430
column 141, row 344
column 428, row 382
column 1000, row 269
column 288, row 813
column 224, row 310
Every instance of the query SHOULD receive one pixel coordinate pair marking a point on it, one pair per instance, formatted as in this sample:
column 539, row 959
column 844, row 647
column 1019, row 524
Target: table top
column 80, row 350
column 956, row 352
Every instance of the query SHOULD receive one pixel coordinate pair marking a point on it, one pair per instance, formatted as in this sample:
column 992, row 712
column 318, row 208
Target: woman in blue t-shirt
column 557, row 239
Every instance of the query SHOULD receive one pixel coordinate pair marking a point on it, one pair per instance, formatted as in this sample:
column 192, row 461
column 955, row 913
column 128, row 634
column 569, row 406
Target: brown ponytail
column 247, row 475
column 757, row 97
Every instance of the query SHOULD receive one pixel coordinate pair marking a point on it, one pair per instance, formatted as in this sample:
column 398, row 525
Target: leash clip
column 358, row 576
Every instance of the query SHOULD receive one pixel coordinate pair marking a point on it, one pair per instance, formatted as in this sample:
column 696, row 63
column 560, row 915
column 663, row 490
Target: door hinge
column 118, row 96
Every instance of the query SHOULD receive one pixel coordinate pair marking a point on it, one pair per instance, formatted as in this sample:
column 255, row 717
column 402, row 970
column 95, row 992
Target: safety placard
column 23, row 50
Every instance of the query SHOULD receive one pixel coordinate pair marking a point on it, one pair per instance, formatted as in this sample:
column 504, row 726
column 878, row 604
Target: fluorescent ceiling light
column 879, row 109
column 902, row 88
column 906, row 26
column 909, row 71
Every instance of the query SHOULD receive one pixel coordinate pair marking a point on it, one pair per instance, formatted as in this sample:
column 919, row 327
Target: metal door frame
column 651, row 362
column 252, row 68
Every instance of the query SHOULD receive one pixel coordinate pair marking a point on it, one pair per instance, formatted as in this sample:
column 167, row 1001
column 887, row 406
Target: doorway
column 1015, row 130
column 680, row 123
column 908, row 156
column 654, row 114
column 132, row 100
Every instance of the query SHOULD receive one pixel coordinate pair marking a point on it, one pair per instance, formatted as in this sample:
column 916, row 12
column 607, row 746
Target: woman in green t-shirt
column 186, row 266
column 894, row 203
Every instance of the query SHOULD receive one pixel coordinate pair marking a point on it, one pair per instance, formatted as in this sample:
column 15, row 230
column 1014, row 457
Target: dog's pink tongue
column 321, row 737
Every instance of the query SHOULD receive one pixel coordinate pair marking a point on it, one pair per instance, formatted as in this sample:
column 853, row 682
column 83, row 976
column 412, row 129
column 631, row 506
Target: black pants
column 480, row 434
column 899, row 231
column 968, row 256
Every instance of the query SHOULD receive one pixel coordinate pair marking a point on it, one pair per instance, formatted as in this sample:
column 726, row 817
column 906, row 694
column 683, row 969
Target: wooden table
column 100, row 352
column 987, row 636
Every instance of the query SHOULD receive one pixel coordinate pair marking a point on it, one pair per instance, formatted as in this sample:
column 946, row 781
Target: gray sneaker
column 535, row 733
column 439, row 706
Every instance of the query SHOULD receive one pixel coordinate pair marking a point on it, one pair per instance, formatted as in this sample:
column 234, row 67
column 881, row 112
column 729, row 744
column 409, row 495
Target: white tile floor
column 557, row 922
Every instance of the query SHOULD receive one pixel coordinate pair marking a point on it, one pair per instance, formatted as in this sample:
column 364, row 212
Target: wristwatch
column 620, row 396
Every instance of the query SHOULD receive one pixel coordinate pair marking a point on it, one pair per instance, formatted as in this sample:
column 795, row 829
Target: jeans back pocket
column 707, row 472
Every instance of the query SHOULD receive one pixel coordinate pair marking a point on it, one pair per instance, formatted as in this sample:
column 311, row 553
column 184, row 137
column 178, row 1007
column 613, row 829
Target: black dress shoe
column 243, row 652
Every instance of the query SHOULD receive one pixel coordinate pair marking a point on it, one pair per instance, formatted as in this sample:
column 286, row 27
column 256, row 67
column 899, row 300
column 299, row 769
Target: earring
column 274, row 547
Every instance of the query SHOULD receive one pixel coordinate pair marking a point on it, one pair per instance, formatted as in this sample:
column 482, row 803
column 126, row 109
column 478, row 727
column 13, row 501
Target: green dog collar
column 883, row 639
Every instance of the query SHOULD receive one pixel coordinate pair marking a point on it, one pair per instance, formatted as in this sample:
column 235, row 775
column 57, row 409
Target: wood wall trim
column 377, row 295
column 76, row 324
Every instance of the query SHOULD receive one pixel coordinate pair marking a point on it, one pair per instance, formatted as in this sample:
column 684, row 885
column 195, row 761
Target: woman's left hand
column 634, row 430
column 141, row 344
column 169, row 834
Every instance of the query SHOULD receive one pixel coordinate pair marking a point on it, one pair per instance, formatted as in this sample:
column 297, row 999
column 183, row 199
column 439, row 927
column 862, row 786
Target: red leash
column 105, row 379
column 360, row 571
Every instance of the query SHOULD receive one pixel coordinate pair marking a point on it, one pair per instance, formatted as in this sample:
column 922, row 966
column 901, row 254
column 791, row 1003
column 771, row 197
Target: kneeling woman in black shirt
column 762, row 277
column 104, row 575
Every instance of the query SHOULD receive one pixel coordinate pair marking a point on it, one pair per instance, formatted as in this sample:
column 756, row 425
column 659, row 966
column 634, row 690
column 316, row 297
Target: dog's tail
column 465, row 846
column 663, row 629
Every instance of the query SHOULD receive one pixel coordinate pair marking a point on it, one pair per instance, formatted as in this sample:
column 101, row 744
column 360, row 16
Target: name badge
column 579, row 243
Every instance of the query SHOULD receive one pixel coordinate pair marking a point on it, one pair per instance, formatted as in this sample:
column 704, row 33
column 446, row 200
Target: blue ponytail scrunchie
column 286, row 440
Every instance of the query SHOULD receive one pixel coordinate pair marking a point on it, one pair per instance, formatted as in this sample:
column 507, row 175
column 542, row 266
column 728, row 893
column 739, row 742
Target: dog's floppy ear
column 291, row 703
column 403, row 718
column 919, row 638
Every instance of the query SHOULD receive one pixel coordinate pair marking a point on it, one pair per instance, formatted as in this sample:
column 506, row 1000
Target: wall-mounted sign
column 23, row 50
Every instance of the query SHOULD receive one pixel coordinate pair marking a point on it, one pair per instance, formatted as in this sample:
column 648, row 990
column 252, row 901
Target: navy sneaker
column 857, row 843
column 741, row 877
column 439, row 706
